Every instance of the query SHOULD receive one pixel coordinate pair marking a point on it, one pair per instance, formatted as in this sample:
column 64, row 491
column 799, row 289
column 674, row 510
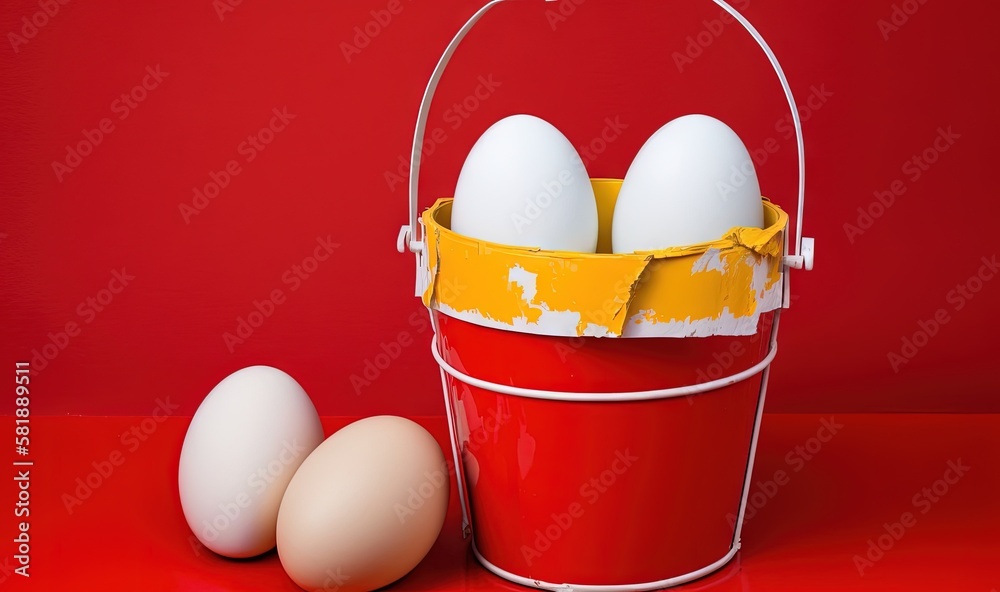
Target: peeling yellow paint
column 715, row 282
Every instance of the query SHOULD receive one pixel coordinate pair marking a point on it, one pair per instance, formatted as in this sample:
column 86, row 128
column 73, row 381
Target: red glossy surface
column 549, row 482
column 335, row 171
column 130, row 534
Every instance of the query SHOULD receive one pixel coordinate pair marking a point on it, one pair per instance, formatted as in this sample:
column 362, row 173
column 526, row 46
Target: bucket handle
column 411, row 236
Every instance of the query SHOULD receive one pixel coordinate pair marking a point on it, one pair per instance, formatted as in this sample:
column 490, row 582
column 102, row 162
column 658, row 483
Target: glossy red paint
column 550, row 481
column 129, row 533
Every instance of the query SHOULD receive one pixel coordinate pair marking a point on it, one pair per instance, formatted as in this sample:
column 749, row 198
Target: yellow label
column 715, row 288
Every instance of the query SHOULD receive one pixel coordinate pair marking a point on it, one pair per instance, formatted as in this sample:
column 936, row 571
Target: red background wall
column 325, row 175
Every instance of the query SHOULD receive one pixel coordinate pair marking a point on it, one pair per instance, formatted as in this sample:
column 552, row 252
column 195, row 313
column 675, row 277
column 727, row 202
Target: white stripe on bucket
column 667, row 583
column 680, row 391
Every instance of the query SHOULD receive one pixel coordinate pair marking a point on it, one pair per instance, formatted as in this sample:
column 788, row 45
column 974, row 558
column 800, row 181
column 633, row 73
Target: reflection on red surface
column 128, row 531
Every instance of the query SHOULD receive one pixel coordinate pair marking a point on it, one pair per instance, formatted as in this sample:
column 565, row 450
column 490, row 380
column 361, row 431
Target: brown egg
column 364, row 508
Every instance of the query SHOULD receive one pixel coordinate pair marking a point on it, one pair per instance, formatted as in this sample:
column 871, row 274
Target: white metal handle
column 409, row 236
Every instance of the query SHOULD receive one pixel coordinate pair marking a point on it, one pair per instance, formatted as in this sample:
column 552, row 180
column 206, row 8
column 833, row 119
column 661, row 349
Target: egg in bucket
column 604, row 407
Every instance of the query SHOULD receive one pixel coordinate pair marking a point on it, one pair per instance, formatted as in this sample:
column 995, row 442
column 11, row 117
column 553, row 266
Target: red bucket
column 604, row 408
column 614, row 462
column 603, row 492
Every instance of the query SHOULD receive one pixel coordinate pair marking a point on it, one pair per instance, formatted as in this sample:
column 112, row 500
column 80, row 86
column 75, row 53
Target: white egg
column 691, row 182
column 245, row 442
column 524, row 184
